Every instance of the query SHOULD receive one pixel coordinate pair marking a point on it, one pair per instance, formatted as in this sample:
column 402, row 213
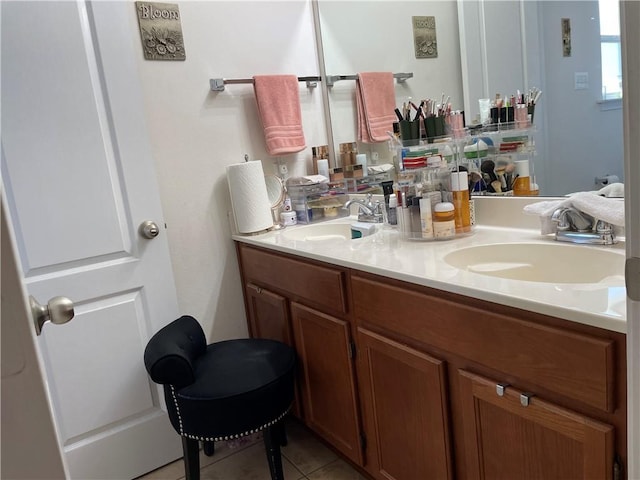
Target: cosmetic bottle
column 319, row 153
column 286, row 203
column 431, row 190
column 444, row 224
column 522, row 182
column 416, row 221
column 392, row 214
column 404, row 214
column 426, row 220
column 460, row 192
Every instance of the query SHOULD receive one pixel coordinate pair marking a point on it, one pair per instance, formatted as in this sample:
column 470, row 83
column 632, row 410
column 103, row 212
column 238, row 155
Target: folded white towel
column 610, row 210
column 611, row 190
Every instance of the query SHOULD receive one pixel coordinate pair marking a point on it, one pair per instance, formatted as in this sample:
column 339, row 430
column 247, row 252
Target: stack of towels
column 376, row 103
column 278, row 101
column 610, row 210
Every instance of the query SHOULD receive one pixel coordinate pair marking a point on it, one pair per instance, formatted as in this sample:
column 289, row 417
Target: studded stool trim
column 226, row 437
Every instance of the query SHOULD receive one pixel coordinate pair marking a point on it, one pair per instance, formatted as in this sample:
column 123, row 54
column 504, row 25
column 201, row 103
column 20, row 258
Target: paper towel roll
column 249, row 198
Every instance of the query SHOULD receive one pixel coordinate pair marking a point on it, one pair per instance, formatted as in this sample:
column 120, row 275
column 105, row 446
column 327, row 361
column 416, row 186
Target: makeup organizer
column 445, row 173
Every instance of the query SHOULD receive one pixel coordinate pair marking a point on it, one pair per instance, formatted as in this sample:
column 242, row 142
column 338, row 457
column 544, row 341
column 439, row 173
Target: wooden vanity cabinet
column 442, row 386
column 529, row 396
column 304, row 304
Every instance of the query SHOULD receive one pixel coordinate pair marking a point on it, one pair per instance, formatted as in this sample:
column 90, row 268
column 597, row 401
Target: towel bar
column 331, row 79
column 217, row 84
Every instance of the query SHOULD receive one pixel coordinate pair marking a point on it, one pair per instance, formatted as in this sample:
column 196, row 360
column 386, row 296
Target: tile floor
column 305, row 457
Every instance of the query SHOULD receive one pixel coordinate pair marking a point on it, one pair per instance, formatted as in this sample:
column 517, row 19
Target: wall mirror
column 483, row 48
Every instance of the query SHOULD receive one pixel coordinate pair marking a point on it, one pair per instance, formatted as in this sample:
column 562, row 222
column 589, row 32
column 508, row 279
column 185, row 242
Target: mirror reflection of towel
column 278, row 101
column 376, row 102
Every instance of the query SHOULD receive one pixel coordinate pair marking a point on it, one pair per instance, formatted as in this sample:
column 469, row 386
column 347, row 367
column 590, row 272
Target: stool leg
column 208, row 448
column 191, row 458
column 272, row 446
column 281, row 433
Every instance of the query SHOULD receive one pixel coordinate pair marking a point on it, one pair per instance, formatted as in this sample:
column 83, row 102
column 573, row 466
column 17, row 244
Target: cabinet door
column 327, row 378
column 268, row 315
column 504, row 438
column 405, row 410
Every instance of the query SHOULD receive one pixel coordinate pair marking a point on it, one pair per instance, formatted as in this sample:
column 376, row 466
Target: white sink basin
column 320, row 232
column 538, row 262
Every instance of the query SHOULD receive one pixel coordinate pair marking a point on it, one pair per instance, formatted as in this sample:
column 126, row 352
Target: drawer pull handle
column 525, row 398
column 500, row 388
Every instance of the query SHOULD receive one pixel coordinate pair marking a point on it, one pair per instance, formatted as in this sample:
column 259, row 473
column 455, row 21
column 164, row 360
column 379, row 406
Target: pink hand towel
column 279, row 108
column 376, row 102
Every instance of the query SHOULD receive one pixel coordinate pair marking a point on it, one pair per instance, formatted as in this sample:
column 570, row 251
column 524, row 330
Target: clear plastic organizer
column 499, row 158
column 432, row 206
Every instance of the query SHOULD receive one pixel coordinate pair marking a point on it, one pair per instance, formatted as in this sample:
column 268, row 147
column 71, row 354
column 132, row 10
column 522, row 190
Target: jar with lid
column 444, row 224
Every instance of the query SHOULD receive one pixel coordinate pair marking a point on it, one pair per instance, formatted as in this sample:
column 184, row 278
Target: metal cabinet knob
column 149, row 229
column 525, row 398
column 59, row 310
column 500, row 388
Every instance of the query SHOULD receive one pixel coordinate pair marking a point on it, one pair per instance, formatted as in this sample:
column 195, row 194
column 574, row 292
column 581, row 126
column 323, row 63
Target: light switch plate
column 581, row 80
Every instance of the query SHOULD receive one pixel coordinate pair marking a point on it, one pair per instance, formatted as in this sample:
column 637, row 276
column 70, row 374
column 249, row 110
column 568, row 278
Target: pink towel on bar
column 279, row 107
column 376, row 102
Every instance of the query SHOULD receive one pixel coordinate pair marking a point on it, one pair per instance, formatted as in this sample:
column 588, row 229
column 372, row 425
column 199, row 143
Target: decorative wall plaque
column 424, row 37
column 566, row 37
column 160, row 31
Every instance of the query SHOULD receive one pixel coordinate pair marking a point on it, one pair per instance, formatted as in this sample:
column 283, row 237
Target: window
column 610, row 49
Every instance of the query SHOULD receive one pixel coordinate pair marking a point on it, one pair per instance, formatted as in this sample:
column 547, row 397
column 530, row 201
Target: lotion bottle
column 426, row 221
column 460, row 193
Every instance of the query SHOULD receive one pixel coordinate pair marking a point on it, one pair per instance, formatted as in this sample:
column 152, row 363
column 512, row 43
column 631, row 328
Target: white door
column 79, row 180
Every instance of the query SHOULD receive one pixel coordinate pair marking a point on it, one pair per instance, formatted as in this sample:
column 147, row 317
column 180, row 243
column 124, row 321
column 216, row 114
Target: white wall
column 195, row 133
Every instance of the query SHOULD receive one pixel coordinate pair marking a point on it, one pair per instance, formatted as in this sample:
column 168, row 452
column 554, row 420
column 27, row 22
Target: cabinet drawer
column 320, row 286
column 575, row 365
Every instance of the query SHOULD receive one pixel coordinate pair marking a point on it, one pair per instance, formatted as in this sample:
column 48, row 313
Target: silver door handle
column 149, row 229
column 59, row 310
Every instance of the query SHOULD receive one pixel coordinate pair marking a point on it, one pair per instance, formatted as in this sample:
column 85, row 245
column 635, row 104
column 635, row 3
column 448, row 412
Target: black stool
column 222, row 391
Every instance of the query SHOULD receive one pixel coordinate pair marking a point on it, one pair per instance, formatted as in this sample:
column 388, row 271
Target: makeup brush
column 474, row 179
column 500, row 173
column 488, row 167
column 508, row 174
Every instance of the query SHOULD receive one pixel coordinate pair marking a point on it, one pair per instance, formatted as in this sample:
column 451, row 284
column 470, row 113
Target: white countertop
column 601, row 304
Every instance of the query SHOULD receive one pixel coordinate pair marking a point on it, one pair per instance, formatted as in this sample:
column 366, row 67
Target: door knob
column 59, row 310
column 149, row 229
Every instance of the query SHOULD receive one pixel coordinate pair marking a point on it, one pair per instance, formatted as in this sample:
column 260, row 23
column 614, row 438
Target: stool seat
column 224, row 390
column 241, row 386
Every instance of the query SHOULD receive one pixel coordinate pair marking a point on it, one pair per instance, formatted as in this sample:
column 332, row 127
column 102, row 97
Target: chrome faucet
column 578, row 227
column 368, row 211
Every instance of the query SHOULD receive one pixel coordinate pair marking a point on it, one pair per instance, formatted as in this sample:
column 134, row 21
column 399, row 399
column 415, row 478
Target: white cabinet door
column 79, row 180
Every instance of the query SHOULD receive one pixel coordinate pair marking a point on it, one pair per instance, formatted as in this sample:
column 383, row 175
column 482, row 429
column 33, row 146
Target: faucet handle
column 559, row 216
column 603, row 227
